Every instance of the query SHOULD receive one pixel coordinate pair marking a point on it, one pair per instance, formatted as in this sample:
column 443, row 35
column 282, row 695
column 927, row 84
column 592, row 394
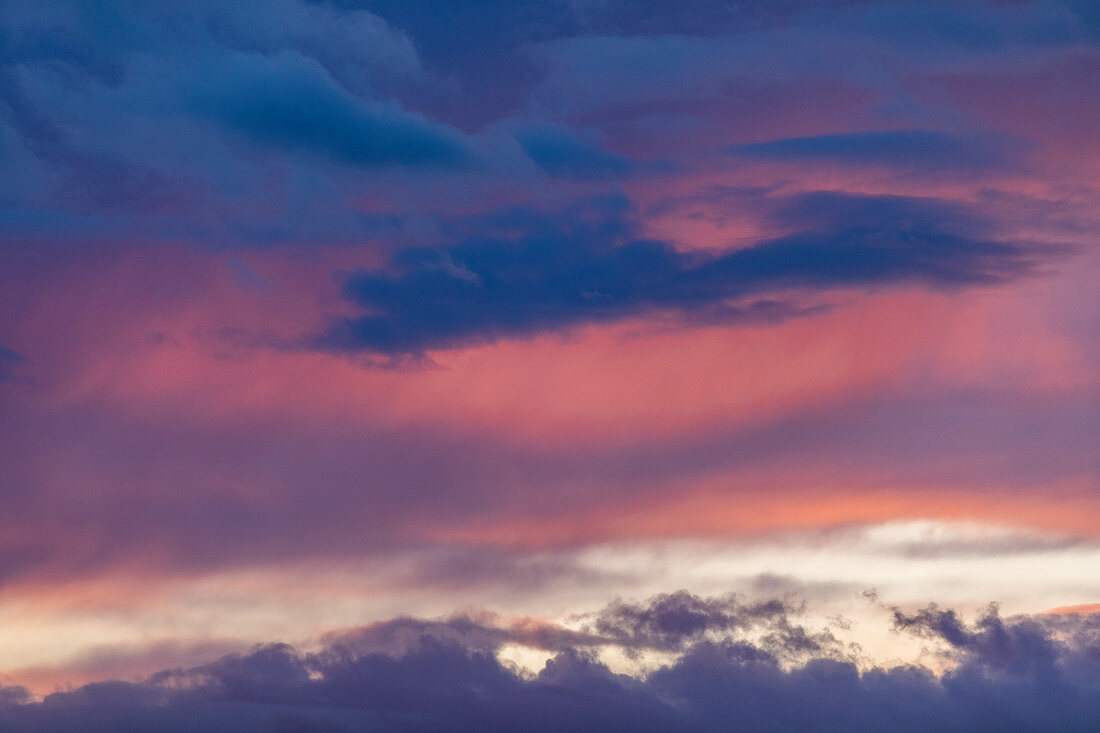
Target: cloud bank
column 745, row 667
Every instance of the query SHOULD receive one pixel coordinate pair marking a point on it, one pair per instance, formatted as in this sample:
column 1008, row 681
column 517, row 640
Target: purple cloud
column 1034, row 672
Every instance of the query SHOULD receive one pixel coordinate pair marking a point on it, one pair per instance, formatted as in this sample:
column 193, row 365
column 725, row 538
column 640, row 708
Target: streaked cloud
column 574, row 273
column 927, row 150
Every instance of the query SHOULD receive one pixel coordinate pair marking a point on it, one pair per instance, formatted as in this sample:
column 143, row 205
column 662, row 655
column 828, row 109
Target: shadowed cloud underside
column 411, row 675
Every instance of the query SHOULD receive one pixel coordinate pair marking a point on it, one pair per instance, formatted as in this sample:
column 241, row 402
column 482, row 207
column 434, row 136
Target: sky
column 409, row 365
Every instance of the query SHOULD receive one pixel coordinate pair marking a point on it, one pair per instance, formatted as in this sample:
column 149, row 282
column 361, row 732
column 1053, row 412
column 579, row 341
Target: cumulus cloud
column 1023, row 673
column 673, row 621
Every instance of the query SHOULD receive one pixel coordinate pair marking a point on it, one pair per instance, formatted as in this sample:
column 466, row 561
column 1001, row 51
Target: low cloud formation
column 1023, row 673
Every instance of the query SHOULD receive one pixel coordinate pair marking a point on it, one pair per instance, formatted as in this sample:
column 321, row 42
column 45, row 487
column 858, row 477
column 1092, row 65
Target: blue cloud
column 204, row 122
column 10, row 361
column 561, row 152
column 290, row 101
column 574, row 271
column 914, row 149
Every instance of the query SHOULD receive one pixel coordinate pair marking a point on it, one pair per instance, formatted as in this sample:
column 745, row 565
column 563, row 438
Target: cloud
column 672, row 621
column 561, row 152
column 235, row 125
column 124, row 661
column 206, row 123
column 374, row 488
column 290, row 101
column 562, row 273
column 924, row 150
column 355, row 45
column 1033, row 673
column 10, row 363
column 858, row 43
column 691, row 17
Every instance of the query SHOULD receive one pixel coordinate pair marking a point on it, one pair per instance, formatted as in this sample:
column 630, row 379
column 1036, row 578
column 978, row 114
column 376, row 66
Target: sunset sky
column 535, row 360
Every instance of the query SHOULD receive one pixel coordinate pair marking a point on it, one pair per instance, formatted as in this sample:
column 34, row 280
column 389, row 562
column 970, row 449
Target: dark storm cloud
column 569, row 272
column 1026, row 673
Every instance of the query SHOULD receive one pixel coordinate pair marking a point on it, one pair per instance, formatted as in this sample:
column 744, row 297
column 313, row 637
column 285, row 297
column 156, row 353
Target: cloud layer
column 386, row 307
column 751, row 667
column 574, row 273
